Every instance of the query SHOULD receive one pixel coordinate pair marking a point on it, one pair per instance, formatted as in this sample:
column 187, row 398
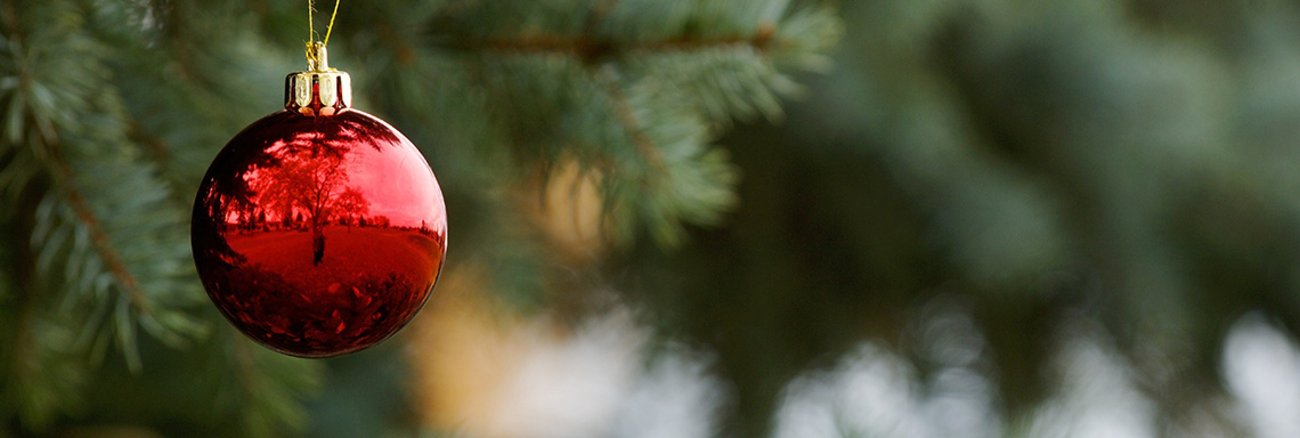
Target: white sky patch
column 1095, row 396
column 871, row 393
column 567, row 387
column 601, row 380
column 1262, row 369
column 598, row 381
column 675, row 398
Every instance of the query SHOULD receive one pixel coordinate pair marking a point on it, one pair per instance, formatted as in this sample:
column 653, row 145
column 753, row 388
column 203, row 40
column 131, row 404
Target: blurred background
column 918, row 218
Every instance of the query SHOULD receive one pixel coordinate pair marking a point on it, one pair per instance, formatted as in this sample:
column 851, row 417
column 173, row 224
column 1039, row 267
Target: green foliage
column 111, row 110
column 1130, row 163
column 634, row 90
column 1127, row 163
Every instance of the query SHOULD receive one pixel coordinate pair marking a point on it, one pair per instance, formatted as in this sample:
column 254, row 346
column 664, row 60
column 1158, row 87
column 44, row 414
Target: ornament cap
column 320, row 91
column 318, row 57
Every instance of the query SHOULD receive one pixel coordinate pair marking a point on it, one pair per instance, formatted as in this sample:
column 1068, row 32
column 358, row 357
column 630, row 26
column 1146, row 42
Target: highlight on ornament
column 320, row 229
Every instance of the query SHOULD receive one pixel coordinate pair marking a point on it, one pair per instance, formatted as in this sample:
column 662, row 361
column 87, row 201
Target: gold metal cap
column 320, row 91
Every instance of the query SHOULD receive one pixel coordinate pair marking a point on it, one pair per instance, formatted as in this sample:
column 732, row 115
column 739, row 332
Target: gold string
column 311, row 22
column 330, row 29
column 311, row 29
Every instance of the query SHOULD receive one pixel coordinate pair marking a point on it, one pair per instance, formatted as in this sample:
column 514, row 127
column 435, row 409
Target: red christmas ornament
column 319, row 230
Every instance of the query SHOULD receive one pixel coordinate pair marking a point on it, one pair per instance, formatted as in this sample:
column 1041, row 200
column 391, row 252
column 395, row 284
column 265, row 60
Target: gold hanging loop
column 321, row 90
column 317, row 60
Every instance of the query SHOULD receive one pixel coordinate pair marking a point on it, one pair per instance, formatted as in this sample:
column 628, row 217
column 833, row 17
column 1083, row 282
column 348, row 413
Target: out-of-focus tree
column 1026, row 165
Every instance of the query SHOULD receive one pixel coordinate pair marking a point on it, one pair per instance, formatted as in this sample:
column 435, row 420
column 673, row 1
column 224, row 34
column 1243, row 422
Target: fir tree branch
column 626, row 117
column 66, row 184
column 590, row 47
column 158, row 151
column 98, row 237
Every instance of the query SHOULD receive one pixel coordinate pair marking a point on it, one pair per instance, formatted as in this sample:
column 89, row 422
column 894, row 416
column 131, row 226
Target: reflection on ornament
column 319, row 230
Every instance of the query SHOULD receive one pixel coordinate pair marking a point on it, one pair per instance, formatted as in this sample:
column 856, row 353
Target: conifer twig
column 626, row 117
column 64, row 181
column 160, row 153
column 98, row 237
column 589, row 47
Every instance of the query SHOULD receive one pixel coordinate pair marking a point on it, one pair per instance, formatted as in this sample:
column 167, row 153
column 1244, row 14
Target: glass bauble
column 318, row 235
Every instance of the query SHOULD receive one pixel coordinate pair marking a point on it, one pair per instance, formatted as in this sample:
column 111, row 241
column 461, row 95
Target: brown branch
column 588, row 47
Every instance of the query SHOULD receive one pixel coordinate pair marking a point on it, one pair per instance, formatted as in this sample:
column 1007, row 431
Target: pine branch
column 589, row 47
column 85, row 139
column 729, row 70
column 625, row 115
column 99, row 238
column 162, row 156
